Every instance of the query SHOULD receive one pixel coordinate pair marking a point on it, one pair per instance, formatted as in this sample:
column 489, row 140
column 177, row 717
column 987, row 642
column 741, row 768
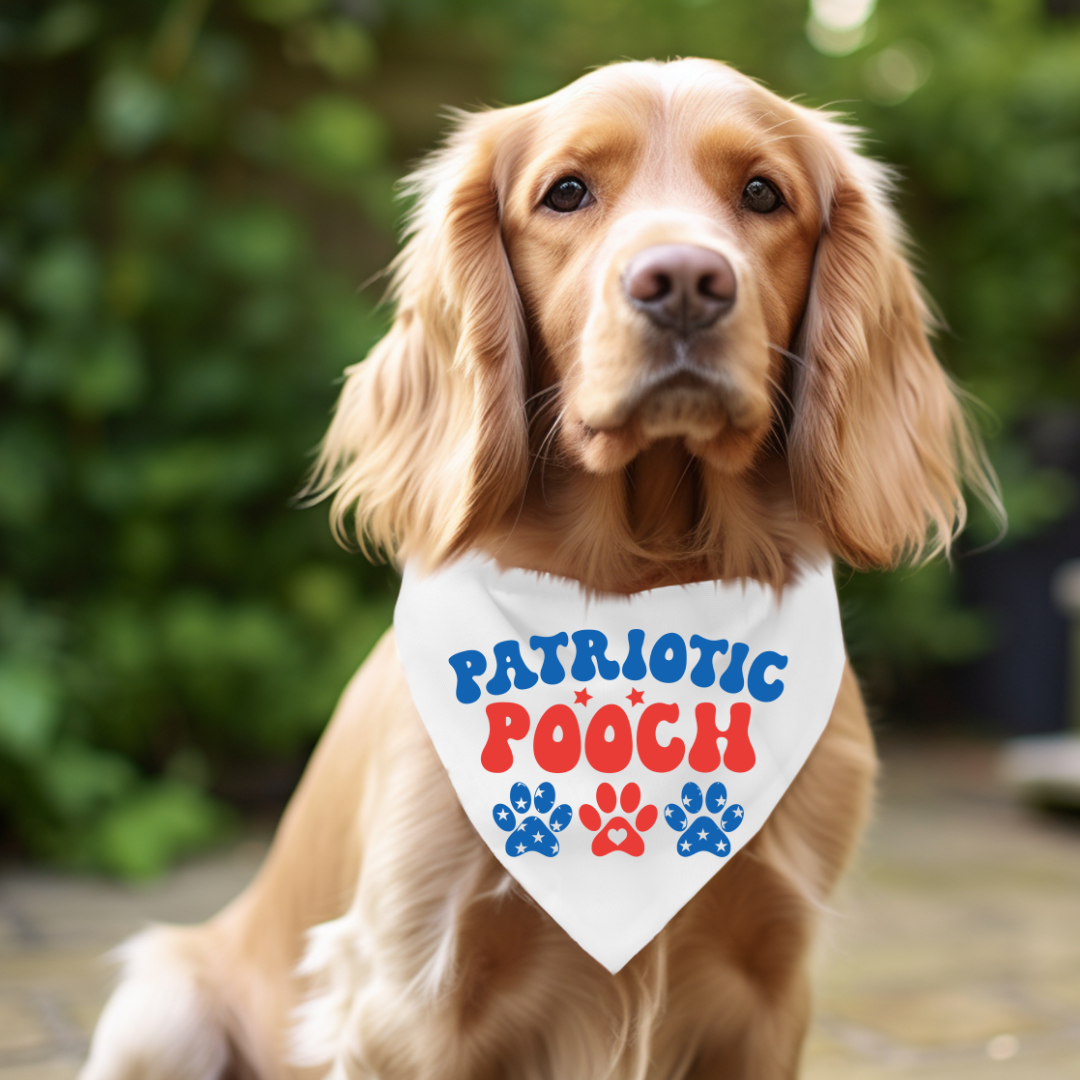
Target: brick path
column 955, row 952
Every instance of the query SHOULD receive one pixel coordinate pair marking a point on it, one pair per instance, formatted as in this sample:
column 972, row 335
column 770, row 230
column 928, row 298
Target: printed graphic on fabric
column 703, row 833
column 618, row 834
column 532, row 834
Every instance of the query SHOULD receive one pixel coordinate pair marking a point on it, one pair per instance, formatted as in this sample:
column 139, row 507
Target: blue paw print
column 704, row 834
column 532, row 834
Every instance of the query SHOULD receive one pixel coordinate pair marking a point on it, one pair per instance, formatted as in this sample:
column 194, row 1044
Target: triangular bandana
column 614, row 753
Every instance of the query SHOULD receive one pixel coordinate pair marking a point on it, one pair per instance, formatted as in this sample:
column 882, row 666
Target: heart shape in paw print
column 618, row 834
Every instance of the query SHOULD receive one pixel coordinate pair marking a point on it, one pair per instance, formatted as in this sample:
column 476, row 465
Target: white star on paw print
column 520, row 848
column 520, row 804
column 537, row 837
column 721, row 846
column 738, row 811
column 703, row 835
column 685, row 845
column 503, row 814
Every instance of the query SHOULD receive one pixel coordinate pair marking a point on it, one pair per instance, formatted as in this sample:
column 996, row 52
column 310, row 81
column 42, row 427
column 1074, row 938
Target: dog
column 656, row 328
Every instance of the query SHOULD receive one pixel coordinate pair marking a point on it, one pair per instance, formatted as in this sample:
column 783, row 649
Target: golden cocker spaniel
column 656, row 328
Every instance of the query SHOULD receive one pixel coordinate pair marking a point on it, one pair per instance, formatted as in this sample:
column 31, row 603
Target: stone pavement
column 954, row 952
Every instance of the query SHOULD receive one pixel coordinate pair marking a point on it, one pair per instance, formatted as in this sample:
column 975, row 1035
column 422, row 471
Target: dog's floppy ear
column 428, row 445
column 879, row 444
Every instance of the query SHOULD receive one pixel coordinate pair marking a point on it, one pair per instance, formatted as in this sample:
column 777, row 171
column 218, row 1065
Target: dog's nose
column 680, row 286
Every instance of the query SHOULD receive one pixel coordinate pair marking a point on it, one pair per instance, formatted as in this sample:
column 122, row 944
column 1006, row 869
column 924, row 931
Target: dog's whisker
column 779, row 389
column 535, row 458
column 793, row 357
column 542, row 454
column 542, row 411
column 675, row 489
column 553, row 388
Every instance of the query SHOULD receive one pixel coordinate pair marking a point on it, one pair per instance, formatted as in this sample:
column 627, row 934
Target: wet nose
column 680, row 287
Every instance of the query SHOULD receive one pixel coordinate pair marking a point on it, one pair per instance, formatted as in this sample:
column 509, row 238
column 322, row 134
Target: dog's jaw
column 718, row 413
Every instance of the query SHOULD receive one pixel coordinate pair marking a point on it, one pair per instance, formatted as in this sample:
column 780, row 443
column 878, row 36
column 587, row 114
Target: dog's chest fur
column 442, row 962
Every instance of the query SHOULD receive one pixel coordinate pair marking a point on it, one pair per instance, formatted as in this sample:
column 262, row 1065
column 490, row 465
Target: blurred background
column 193, row 194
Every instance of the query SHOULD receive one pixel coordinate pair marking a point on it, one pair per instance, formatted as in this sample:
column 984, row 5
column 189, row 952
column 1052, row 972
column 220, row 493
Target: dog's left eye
column 760, row 196
column 566, row 195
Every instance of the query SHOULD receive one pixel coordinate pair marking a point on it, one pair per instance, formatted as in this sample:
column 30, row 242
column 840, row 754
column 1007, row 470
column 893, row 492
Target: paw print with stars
column 704, row 833
column 532, row 834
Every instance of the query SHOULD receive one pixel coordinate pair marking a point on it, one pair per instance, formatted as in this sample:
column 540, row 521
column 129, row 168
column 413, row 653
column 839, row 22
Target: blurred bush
column 191, row 192
column 169, row 348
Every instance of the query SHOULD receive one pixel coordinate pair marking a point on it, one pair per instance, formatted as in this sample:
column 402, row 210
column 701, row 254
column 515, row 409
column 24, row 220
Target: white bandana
column 614, row 753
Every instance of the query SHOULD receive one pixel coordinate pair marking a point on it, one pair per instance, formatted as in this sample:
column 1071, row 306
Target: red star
column 635, row 697
column 581, row 697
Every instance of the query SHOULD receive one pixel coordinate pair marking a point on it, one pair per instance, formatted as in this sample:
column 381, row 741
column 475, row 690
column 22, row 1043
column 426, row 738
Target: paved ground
column 955, row 952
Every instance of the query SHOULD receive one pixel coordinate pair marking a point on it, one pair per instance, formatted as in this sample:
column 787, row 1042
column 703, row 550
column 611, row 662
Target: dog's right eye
column 761, row 197
column 566, row 195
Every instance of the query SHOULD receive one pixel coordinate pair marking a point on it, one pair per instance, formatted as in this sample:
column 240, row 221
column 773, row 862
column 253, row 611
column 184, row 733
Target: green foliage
column 168, row 349
column 191, row 192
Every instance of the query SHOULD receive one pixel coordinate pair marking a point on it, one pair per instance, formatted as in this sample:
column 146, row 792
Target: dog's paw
column 618, row 834
column 532, row 834
column 703, row 833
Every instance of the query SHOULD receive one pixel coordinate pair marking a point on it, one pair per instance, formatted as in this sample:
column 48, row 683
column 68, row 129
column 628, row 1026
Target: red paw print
column 618, row 834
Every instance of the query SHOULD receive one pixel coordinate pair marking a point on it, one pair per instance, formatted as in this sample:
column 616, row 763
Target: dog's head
column 660, row 259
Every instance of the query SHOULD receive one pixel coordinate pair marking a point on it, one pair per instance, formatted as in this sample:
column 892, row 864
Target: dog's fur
column 521, row 406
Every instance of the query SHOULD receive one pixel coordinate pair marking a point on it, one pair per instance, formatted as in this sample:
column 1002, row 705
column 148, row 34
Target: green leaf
column 265, row 318
column 108, row 377
column 63, row 279
column 221, row 63
column 254, row 243
column 141, row 836
column 159, row 201
column 201, row 469
column 322, row 593
column 29, row 710
column 24, row 475
column 338, row 45
column 133, row 111
column 335, row 137
column 65, row 27
column 79, row 779
column 46, row 366
column 10, row 345
column 283, row 11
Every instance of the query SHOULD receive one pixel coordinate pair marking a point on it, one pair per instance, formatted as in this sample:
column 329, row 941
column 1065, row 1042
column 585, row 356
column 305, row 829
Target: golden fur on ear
column 428, row 446
column 880, row 445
